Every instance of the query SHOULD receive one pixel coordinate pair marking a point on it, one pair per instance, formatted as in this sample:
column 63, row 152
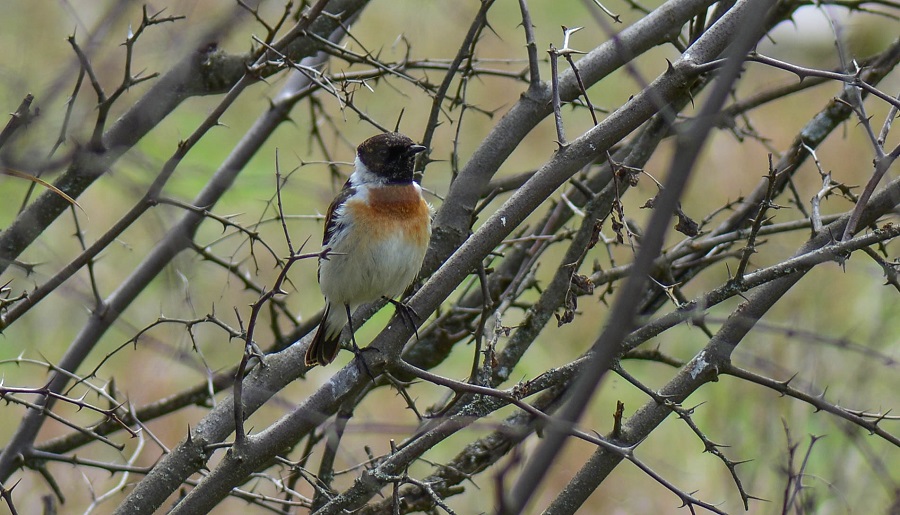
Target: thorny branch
column 541, row 248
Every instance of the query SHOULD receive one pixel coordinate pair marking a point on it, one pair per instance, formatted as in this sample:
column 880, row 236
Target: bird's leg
column 407, row 313
column 356, row 350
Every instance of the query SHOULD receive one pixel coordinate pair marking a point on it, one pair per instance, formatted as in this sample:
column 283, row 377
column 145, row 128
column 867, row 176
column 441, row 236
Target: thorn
column 788, row 381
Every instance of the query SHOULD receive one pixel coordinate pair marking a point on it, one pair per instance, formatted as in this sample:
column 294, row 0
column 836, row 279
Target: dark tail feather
column 324, row 347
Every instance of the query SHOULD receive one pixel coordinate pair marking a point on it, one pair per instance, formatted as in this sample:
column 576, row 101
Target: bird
column 377, row 231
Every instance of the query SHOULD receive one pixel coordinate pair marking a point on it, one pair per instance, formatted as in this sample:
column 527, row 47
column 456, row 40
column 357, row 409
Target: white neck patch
column 362, row 176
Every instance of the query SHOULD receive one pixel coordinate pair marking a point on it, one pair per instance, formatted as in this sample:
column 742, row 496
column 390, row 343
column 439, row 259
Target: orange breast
column 392, row 209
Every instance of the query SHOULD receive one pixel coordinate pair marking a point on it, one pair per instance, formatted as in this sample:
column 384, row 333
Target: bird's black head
column 390, row 156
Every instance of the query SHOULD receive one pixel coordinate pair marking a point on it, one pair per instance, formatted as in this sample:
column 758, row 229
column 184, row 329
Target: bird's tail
column 324, row 346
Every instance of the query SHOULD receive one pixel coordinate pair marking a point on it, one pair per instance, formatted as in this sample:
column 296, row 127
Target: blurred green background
column 829, row 304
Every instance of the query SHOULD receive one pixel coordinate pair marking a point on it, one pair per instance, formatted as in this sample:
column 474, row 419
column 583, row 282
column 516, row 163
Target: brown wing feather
column 331, row 225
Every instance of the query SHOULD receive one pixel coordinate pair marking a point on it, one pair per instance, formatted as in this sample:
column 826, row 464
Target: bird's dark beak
column 415, row 149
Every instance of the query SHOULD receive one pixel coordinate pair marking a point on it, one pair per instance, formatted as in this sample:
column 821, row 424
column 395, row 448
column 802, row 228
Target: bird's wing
column 331, row 223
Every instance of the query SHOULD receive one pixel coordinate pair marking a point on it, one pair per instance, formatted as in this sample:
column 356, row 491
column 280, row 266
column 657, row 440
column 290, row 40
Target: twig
column 764, row 206
column 817, row 401
column 250, row 348
column 851, row 79
column 534, row 72
column 554, row 85
column 882, row 164
column 6, row 495
column 709, row 446
column 333, row 436
column 17, row 119
column 466, row 51
column 567, row 53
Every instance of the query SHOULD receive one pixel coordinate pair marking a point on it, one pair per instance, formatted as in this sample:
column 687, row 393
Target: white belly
column 369, row 270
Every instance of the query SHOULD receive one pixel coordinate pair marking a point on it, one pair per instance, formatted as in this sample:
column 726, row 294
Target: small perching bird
column 377, row 230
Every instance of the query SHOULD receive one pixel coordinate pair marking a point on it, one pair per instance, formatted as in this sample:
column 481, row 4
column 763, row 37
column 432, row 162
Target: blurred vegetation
column 802, row 334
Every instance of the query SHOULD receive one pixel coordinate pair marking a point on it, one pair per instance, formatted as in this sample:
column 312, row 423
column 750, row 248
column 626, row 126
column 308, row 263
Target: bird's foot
column 407, row 314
